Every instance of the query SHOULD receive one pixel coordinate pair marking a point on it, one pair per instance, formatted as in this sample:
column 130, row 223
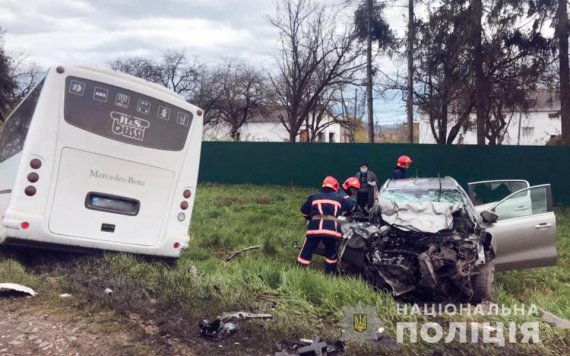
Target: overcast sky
column 92, row 32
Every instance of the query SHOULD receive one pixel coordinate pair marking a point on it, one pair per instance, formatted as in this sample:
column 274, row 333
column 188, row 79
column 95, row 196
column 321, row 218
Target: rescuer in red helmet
column 402, row 165
column 350, row 186
column 322, row 210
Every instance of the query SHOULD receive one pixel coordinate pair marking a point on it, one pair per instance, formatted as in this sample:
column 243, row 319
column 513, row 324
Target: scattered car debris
column 237, row 253
column 217, row 329
column 193, row 270
column 243, row 315
column 108, row 292
column 307, row 347
column 222, row 326
column 17, row 288
column 556, row 321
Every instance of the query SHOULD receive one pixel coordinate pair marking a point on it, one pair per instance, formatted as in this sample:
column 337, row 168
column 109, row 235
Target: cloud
column 93, row 32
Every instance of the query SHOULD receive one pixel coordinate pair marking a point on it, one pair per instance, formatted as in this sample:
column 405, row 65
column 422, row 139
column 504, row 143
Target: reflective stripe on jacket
column 326, row 203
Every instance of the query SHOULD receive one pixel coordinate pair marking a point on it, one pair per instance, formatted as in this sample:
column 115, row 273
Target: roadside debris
column 223, row 326
column 238, row 252
column 108, row 292
column 307, row 347
column 556, row 321
column 193, row 270
column 18, row 288
column 243, row 315
column 65, row 295
column 217, row 329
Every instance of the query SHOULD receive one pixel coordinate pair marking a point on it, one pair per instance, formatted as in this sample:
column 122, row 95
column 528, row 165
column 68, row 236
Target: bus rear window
column 124, row 115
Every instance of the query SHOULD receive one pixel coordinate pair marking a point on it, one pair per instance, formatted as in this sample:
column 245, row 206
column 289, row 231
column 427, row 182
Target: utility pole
column 355, row 120
column 480, row 93
column 410, row 98
column 369, row 72
column 564, row 71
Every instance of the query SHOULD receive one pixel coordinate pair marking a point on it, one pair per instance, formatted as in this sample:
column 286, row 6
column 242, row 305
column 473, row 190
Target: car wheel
column 484, row 282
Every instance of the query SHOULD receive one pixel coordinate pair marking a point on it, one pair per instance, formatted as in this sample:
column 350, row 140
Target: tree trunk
column 292, row 136
column 478, row 64
column 564, row 71
column 409, row 100
column 369, row 75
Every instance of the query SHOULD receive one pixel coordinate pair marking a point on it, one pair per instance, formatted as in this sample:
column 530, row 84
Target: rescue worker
column 321, row 210
column 402, row 165
column 368, row 181
column 350, row 186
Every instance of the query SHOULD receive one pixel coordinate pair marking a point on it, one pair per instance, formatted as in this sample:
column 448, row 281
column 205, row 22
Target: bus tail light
column 35, row 163
column 176, row 245
column 30, row 190
column 33, row 177
column 25, row 225
column 181, row 217
column 187, row 193
column 184, row 205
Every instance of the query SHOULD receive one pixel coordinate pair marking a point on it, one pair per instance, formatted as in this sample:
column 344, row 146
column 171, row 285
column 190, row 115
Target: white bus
column 101, row 160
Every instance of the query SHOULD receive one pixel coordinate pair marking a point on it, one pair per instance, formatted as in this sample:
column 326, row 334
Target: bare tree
column 7, row 83
column 316, row 55
column 207, row 95
column 241, row 96
column 26, row 75
column 187, row 77
column 140, row 67
column 174, row 71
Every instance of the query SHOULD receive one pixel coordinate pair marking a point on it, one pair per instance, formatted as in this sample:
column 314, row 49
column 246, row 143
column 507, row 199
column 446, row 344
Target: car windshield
column 433, row 195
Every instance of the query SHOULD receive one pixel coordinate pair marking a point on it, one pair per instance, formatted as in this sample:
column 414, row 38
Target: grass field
column 305, row 302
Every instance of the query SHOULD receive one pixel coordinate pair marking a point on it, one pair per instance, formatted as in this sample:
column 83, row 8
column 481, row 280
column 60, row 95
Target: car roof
column 446, row 183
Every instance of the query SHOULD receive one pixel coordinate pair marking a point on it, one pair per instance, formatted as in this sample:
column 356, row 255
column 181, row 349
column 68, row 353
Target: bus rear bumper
column 29, row 232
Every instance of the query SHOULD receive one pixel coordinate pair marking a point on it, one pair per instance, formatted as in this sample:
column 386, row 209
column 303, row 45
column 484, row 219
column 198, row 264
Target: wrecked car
column 427, row 239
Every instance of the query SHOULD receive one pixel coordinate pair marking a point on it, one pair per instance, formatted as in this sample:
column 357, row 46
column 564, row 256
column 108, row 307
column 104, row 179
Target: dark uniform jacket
column 399, row 173
column 322, row 209
column 365, row 179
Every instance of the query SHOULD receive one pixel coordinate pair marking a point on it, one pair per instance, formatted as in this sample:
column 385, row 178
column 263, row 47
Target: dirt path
column 27, row 328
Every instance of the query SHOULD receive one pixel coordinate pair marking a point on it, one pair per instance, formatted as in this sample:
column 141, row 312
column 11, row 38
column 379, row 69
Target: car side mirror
column 489, row 217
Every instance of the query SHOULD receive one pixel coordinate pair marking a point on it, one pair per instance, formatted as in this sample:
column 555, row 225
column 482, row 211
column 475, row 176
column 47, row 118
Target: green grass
column 305, row 302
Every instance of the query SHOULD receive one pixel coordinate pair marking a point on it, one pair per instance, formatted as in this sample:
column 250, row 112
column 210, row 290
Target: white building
column 270, row 129
column 533, row 128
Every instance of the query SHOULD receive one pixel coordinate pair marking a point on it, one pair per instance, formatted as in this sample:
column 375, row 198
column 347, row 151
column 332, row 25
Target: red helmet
column 330, row 182
column 351, row 182
column 404, row 161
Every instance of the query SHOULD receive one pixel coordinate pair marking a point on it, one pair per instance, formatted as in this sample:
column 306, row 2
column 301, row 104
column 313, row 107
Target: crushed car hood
column 430, row 217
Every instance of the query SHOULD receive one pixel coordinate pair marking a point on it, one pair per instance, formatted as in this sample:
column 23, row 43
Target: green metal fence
column 303, row 164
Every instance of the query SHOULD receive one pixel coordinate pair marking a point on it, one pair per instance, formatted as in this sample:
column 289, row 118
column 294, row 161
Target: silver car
column 427, row 238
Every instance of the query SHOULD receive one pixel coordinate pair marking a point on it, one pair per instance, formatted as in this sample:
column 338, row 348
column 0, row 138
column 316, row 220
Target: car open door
column 493, row 191
column 524, row 235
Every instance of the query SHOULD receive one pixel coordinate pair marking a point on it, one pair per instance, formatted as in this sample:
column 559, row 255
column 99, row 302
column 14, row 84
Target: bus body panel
column 49, row 139
column 7, row 177
column 82, row 173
